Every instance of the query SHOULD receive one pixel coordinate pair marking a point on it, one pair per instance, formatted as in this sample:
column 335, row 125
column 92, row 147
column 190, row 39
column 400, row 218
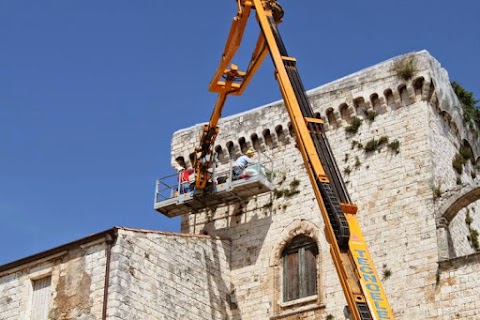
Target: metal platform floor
column 225, row 193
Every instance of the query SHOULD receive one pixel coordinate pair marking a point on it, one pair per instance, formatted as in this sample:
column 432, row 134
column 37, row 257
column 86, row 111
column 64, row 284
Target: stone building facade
column 418, row 213
column 412, row 202
column 121, row 273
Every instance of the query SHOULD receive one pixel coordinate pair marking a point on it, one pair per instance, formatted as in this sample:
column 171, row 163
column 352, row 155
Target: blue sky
column 91, row 92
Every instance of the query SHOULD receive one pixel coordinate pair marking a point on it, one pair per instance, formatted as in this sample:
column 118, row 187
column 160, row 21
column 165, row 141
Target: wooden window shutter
column 291, row 277
column 299, row 268
column 310, row 275
column 41, row 298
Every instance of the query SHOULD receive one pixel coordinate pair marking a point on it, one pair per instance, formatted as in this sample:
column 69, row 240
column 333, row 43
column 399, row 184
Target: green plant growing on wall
column 466, row 153
column 357, row 162
column 294, row 184
column 474, row 239
column 329, row 317
column 394, row 146
column 436, row 190
column 471, row 111
column 346, row 157
column 383, row 140
column 373, row 144
column 353, row 127
column 371, row 114
column 278, row 193
column 282, row 179
column 386, row 272
column 357, row 144
column 458, row 162
column 291, row 192
column 270, row 175
column 405, row 68
column 287, row 192
column 468, row 218
column 347, row 170
column 473, row 233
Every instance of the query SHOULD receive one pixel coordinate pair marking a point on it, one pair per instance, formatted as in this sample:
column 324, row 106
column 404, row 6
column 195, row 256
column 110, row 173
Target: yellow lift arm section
column 360, row 281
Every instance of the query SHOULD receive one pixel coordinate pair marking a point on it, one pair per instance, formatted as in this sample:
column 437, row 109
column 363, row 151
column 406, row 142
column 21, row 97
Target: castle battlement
column 376, row 89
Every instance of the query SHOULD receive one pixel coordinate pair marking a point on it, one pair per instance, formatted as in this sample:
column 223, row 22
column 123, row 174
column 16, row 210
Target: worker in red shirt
column 184, row 179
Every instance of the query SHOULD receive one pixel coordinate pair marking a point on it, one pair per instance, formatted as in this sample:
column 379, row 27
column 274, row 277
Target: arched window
column 299, row 268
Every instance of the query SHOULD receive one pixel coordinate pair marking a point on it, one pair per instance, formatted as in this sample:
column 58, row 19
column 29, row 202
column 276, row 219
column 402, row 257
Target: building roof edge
column 112, row 232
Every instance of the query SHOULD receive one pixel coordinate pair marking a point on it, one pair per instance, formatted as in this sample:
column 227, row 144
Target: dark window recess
column 299, row 268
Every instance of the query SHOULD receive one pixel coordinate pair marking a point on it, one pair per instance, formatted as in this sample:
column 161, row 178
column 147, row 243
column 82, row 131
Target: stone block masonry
column 169, row 276
column 421, row 124
column 153, row 275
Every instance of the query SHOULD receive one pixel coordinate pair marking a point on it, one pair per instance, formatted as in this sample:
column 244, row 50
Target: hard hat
column 250, row 151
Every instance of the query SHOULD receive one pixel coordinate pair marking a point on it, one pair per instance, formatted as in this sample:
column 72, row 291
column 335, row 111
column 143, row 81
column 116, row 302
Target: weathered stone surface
column 394, row 191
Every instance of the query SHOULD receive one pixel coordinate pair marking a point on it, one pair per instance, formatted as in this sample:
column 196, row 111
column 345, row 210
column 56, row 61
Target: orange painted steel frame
column 358, row 276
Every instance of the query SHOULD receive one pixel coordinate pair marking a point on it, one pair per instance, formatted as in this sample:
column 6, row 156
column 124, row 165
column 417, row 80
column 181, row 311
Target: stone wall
column 394, row 188
column 456, row 290
column 153, row 275
column 169, row 276
column 77, row 281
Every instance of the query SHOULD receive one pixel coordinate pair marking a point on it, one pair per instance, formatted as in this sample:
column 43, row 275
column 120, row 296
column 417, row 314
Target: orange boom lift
column 360, row 281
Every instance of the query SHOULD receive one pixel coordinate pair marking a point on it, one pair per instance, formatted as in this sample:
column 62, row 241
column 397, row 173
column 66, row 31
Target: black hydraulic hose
column 330, row 196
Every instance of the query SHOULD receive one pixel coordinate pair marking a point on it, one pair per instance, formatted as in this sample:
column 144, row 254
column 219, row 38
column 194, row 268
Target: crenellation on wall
column 333, row 96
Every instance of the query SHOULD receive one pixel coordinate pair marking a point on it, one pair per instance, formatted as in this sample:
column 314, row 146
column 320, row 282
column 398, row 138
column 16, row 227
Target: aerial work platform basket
column 222, row 190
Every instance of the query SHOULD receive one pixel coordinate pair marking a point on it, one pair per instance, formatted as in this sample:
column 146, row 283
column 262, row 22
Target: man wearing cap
column 242, row 162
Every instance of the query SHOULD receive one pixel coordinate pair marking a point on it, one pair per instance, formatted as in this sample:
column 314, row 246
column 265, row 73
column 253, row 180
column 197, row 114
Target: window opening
column 267, row 137
column 299, row 268
column 41, row 298
column 243, row 144
column 255, row 141
column 279, row 132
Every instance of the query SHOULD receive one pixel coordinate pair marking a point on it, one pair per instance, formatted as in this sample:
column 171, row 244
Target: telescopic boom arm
column 360, row 281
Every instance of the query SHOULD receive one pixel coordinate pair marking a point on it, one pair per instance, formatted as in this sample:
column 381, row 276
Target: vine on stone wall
column 357, row 163
column 458, row 162
column 461, row 158
column 436, row 190
column 471, row 111
column 374, row 145
column 473, row 233
column 354, row 126
column 287, row 192
column 394, row 146
column 371, row 114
